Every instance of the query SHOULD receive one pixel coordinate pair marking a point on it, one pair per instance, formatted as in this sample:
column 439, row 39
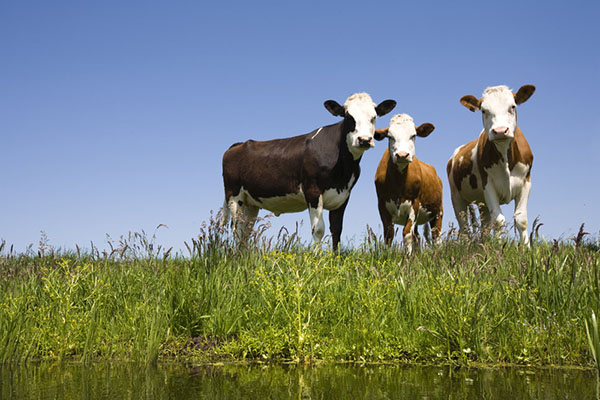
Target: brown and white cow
column 409, row 191
column 316, row 170
column 495, row 168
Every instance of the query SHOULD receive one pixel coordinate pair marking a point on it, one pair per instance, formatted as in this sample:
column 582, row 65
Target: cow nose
column 501, row 131
column 402, row 156
column 365, row 141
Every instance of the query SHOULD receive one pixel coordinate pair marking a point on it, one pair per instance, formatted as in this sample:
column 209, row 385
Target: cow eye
column 373, row 120
column 513, row 108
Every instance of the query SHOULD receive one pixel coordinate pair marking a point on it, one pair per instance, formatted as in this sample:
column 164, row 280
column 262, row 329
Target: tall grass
column 592, row 331
column 486, row 301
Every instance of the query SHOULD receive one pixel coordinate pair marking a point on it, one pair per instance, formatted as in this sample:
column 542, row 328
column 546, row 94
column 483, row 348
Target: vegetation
column 476, row 300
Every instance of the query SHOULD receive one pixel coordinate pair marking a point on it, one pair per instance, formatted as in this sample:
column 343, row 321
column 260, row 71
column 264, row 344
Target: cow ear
column 471, row 102
column 425, row 129
column 385, row 107
column 524, row 93
column 334, row 108
column 380, row 134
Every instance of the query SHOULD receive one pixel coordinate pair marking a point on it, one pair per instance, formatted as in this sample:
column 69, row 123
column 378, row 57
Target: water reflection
column 132, row 381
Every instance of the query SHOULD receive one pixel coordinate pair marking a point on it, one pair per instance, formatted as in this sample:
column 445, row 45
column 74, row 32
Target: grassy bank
column 465, row 301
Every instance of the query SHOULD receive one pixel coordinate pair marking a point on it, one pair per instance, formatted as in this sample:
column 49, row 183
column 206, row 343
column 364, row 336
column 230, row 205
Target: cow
column 494, row 169
column 409, row 191
column 316, row 170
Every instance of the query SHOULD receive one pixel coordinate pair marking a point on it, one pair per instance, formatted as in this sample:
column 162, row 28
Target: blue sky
column 114, row 115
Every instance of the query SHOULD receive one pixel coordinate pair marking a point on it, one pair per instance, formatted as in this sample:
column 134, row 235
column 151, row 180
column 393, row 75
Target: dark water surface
column 133, row 381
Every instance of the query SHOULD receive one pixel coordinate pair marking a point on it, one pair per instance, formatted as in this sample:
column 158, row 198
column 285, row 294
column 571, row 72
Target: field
column 476, row 300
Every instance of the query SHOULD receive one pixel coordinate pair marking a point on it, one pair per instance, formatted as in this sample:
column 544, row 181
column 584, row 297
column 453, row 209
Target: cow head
column 359, row 113
column 402, row 133
column 498, row 107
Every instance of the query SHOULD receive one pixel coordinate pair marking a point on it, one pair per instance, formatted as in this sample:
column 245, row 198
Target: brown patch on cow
column 473, row 181
column 458, row 170
column 430, row 196
column 520, row 151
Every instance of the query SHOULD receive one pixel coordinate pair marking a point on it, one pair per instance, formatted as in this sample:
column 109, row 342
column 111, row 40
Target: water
column 132, row 381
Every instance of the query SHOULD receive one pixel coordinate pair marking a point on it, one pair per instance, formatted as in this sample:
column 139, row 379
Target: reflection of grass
column 593, row 336
column 483, row 300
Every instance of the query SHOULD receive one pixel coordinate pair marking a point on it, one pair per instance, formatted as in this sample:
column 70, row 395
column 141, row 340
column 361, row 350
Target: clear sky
column 114, row 115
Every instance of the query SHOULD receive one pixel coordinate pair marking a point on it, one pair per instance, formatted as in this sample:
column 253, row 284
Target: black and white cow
column 316, row 170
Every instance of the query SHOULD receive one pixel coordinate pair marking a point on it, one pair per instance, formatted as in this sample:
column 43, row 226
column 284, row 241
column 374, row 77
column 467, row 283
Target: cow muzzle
column 501, row 132
column 365, row 142
column 403, row 157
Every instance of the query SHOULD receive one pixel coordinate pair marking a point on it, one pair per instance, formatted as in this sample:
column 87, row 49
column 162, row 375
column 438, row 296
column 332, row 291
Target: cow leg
column 315, row 212
column 247, row 224
column 493, row 205
column 485, row 217
column 236, row 213
column 388, row 225
column 243, row 217
column 460, row 211
column 410, row 227
column 436, row 229
column 336, row 219
column 427, row 232
column 521, row 212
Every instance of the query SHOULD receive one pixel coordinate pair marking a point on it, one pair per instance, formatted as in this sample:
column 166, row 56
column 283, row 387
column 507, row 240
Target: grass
column 484, row 301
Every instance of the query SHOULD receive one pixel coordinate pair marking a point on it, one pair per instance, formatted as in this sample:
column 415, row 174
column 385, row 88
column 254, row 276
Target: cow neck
column 393, row 170
column 517, row 150
column 494, row 152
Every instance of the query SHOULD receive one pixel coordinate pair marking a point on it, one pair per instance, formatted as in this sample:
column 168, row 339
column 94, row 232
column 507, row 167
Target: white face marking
column 401, row 139
column 498, row 109
column 362, row 109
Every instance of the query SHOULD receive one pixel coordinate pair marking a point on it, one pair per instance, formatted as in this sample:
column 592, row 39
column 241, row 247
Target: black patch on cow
column 349, row 124
column 473, row 181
